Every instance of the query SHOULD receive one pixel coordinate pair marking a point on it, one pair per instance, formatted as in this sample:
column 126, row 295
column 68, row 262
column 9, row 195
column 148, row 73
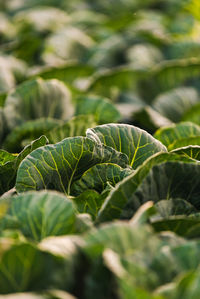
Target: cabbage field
column 100, row 149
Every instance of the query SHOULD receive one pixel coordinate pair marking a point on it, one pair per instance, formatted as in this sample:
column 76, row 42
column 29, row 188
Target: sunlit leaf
column 58, row 166
column 177, row 132
column 137, row 144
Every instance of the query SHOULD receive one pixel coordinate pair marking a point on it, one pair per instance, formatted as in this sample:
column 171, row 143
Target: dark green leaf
column 137, row 144
column 188, row 286
column 89, row 202
column 29, row 130
column 8, row 170
column 125, row 190
column 149, row 118
column 172, row 261
column 98, row 176
column 3, row 125
column 191, row 151
column 41, row 141
column 2, row 98
column 164, row 181
column 76, row 126
column 180, row 225
column 58, row 166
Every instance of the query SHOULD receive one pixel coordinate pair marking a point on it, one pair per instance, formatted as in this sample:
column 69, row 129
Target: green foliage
column 174, row 134
column 76, row 126
column 43, row 214
column 31, row 262
column 9, row 163
column 102, row 109
column 137, row 144
column 58, row 166
column 28, row 131
column 90, row 202
column 100, row 149
column 118, row 200
column 110, row 83
column 192, row 151
column 173, row 104
column 67, row 73
column 38, row 98
column 98, row 176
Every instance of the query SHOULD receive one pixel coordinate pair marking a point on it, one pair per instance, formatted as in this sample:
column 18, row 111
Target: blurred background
column 122, row 60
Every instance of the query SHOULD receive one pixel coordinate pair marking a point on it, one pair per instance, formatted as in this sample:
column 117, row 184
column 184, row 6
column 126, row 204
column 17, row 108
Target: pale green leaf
column 26, row 267
column 42, row 19
column 41, row 214
column 169, row 74
column 111, row 83
column 68, row 73
column 175, row 103
column 38, row 98
column 144, row 55
column 67, row 43
column 5, row 157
